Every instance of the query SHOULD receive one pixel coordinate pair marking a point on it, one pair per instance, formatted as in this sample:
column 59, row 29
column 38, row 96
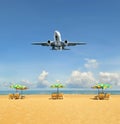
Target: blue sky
column 96, row 22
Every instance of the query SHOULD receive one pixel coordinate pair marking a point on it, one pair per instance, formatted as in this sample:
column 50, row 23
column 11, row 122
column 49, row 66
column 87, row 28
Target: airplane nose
column 57, row 36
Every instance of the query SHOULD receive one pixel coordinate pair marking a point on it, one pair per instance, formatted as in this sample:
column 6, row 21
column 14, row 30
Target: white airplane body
column 58, row 44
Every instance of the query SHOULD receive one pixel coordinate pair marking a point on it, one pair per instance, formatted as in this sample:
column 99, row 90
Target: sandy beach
column 73, row 109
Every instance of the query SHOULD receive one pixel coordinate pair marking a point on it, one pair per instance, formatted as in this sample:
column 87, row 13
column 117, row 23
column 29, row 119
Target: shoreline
column 48, row 92
column 63, row 94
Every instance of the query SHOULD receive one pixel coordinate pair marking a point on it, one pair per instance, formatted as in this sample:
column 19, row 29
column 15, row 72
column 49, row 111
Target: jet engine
column 49, row 42
column 66, row 42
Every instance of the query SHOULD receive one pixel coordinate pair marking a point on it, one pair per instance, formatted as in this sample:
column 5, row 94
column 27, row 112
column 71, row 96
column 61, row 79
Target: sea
column 64, row 91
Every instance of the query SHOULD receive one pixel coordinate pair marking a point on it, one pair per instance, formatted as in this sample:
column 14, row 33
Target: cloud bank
column 77, row 78
column 80, row 79
column 42, row 80
column 112, row 78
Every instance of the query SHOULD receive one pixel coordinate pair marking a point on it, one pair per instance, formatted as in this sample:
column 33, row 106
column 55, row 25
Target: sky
column 96, row 22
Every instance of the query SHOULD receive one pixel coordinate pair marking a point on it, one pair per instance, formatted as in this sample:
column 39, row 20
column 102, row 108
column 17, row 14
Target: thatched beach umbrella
column 15, row 86
column 102, row 86
column 19, row 87
column 23, row 88
column 57, row 85
column 96, row 87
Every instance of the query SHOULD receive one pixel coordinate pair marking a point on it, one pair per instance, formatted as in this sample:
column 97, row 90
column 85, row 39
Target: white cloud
column 42, row 80
column 26, row 83
column 91, row 63
column 6, row 84
column 43, row 75
column 112, row 78
column 80, row 79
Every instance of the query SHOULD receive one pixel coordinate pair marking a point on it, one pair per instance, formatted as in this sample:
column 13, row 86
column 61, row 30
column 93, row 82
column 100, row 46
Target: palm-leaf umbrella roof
column 102, row 86
column 18, row 87
column 57, row 85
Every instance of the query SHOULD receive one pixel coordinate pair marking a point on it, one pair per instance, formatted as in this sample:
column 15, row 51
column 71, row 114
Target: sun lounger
column 11, row 96
column 60, row 96
column 101, row 96
column 54, row 96
column 57, row 96
column 107, row 96
column 17, row 96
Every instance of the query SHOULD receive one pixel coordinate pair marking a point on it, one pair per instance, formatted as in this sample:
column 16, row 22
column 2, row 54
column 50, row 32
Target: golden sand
column 73, row 109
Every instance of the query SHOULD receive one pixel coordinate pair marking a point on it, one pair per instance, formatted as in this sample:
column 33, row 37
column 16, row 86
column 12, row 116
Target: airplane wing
column 42, row 44
column 75, row 43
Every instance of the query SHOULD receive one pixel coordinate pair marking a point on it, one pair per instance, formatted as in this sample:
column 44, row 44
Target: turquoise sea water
column 65, row 91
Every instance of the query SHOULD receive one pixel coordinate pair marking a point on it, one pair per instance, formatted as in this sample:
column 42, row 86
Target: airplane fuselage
column 58, row 44
column 57, row 41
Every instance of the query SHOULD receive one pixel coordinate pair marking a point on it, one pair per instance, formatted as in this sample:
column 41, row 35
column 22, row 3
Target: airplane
column 58, row 44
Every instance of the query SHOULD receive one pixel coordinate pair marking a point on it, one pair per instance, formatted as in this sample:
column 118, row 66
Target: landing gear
column 53, row 48
column 61, row 48
column 57, row 48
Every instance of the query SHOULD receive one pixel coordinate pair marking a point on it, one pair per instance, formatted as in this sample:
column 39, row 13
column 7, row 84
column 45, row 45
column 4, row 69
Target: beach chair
column 60, row 96
column 107, row 96
column 11, row 96
column 54, row 96
column 17, row 96
column 101, row 96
